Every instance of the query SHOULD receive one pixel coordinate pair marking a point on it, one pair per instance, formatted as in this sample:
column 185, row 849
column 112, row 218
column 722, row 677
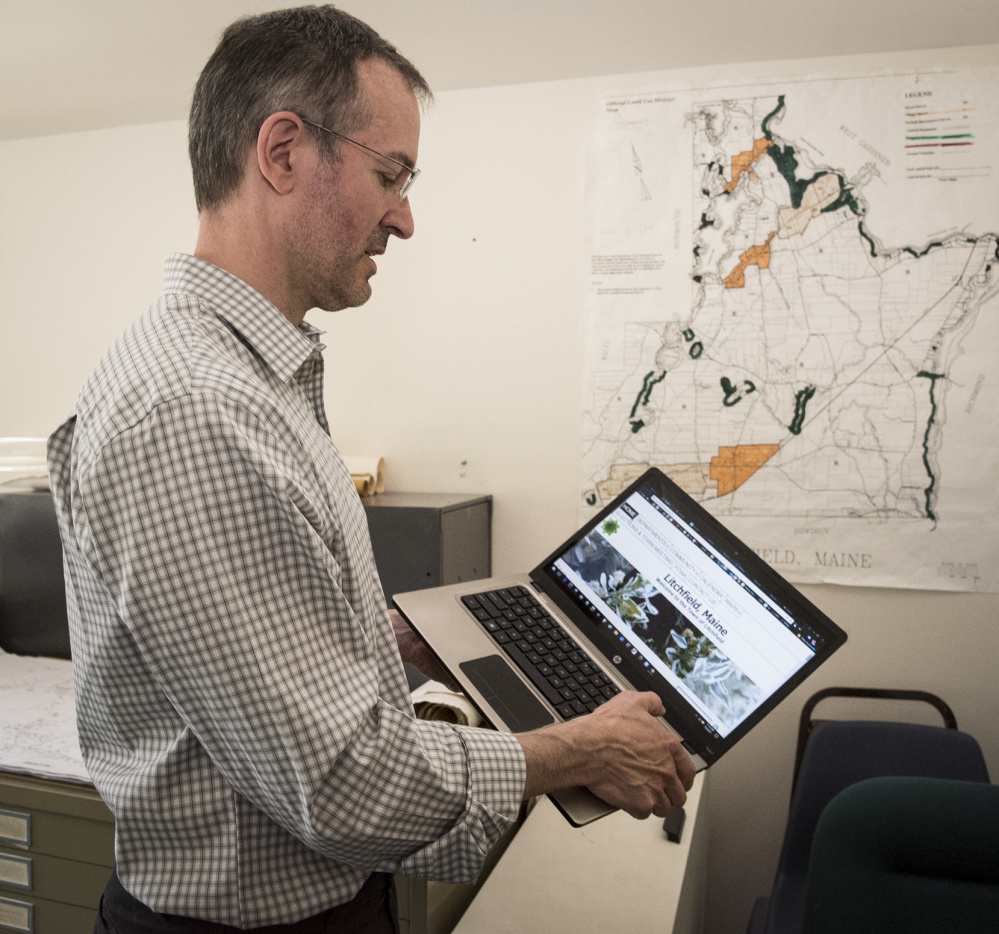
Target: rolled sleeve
column 497, row 772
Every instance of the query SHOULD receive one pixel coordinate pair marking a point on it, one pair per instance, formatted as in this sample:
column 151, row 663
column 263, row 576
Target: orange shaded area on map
column 754, row 256
column 744, row 160
column 734, row 466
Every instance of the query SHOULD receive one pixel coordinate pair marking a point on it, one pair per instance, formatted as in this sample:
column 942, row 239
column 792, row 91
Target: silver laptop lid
column 682, row 607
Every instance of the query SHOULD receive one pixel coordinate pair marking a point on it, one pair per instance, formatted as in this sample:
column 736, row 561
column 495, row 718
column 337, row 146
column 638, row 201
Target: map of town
column 810, row 379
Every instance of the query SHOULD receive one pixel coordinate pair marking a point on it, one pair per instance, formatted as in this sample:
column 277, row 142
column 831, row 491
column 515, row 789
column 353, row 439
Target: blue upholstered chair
column 841, row 753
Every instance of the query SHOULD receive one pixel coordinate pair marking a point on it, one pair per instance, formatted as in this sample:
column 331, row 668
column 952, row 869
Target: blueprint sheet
column 38, row 718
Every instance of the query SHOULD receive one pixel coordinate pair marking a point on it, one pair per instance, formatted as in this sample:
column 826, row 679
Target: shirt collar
column 281, row 345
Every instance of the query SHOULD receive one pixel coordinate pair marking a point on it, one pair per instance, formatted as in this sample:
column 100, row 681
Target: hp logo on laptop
column 616, row 659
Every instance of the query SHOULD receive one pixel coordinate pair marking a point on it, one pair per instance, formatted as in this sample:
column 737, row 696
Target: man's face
column 352, row 208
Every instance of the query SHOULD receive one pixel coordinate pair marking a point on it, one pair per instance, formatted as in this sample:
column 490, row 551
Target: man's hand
column 621, row 752
column 649, row 771
column 414, row 651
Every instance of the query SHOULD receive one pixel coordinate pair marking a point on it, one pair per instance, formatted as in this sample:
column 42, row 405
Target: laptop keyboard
column 538, row 645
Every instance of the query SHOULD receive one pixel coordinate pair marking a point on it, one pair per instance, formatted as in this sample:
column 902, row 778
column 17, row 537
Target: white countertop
column 616, row 874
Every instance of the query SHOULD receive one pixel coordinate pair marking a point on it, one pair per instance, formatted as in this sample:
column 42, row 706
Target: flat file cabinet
column 57, row 850
column 56, row 853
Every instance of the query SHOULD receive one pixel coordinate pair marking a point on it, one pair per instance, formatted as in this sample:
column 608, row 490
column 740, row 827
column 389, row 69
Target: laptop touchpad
column 503, row 690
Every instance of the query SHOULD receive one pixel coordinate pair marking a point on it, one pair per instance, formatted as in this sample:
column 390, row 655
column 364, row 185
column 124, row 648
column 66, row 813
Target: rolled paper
column 367, row 472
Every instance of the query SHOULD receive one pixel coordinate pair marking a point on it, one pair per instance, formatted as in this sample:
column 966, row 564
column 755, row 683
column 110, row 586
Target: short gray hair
column 303, row 60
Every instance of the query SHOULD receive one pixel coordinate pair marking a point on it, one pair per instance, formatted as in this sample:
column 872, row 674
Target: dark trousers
column 371, row 911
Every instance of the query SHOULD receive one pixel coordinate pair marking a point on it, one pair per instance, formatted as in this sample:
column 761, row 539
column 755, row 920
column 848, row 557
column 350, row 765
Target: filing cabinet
column 56, row 853
column 429, row 539
column 57, row 850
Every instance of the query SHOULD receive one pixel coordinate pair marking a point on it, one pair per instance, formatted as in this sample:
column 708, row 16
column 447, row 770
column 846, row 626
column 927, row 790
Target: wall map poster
column 794, row 312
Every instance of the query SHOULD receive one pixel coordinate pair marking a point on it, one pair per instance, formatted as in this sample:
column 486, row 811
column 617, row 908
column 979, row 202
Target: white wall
column 85, row 221
column 463, row 371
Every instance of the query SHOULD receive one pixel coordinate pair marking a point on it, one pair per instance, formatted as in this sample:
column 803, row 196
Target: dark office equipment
column 906, row 854
column 838, row 754
column 429, row 539
column 419, row 540
column 32, row 591
column 673, row 824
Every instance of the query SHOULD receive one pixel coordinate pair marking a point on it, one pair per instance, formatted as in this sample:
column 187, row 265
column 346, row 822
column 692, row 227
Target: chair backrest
column 906, row 854
column 841, row 753
column 806, row 723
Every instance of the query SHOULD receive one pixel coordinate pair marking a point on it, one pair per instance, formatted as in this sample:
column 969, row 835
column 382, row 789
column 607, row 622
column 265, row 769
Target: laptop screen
column 684, row 608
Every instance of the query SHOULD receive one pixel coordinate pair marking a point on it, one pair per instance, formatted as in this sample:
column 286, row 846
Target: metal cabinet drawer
column 40, row 916
column 49, row 877
column 56, row 853
column 69, row 837
column 55, row 818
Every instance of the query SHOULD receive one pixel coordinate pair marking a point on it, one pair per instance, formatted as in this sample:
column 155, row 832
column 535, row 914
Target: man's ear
column 283, row 150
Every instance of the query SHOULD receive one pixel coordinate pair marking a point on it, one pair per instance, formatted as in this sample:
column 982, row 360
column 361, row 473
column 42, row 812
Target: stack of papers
column 38, row 726
column 22, row 465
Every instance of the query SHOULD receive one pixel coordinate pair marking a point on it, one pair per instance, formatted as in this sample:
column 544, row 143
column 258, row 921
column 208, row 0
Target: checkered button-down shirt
column 242, row 705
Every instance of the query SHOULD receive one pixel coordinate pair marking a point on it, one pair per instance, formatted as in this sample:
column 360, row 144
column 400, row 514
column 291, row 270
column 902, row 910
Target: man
column 242, row 702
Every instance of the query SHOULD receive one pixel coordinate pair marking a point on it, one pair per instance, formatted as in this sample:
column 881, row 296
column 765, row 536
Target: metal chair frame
column 806, row 723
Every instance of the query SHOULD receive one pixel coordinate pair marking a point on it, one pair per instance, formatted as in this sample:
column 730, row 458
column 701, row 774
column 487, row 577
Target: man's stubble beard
column 330, row 270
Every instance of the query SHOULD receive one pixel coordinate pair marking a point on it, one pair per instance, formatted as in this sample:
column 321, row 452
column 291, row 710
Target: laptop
column 652, row 594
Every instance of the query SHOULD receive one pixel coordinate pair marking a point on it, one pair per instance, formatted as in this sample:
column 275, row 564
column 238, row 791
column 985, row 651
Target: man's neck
column 238, row 246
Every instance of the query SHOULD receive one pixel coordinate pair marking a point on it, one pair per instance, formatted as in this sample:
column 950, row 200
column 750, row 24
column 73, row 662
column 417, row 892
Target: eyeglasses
column 404, row 178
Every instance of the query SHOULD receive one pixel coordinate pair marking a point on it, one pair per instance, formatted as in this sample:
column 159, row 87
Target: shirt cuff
column 497, row 769
column 496, row 775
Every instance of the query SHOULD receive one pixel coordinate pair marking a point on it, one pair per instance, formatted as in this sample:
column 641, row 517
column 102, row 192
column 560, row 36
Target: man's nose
column 399, row 220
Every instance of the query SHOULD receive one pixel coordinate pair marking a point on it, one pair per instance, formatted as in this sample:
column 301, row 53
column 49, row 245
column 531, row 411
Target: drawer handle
column 15, row 827
column 17, row 916
column 15, row 870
